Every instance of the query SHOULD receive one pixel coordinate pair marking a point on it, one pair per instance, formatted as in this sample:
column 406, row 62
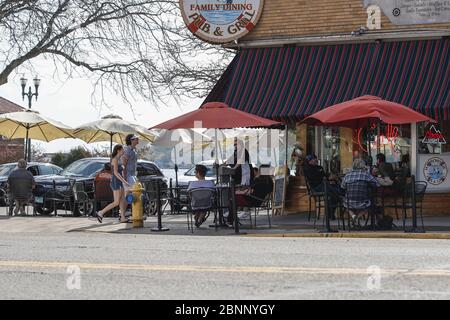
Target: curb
column 362, row 235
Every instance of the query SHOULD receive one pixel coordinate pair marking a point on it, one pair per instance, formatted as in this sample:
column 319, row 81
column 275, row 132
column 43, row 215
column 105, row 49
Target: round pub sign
column 221, row 21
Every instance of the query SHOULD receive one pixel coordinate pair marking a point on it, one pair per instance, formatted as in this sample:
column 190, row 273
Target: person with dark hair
column 117, row 185
column 200, row 174
column 383, row 171
column 129, row 158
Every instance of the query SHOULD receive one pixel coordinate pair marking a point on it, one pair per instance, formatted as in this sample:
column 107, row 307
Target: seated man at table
column 20, row 183
column 200, row 174
column 384, row 171
column 356, row 184
column 314, row 175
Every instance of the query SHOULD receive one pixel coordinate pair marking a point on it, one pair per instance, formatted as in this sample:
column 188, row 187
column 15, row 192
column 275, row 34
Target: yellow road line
column 193, row 268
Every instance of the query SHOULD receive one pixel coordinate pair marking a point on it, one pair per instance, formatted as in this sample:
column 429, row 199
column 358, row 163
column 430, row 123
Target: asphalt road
column 79, row 265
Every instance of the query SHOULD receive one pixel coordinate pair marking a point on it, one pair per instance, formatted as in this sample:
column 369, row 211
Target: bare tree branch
column 136, row 48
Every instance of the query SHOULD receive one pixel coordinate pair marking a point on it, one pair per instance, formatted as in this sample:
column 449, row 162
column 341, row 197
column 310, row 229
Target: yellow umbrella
column 31, row 124
column 112, row 128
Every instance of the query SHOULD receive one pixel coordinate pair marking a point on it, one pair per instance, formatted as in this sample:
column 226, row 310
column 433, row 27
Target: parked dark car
column 36, row 168
column 84, row 171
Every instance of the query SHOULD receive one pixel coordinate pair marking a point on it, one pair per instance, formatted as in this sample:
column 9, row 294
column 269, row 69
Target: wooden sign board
column 279, row 194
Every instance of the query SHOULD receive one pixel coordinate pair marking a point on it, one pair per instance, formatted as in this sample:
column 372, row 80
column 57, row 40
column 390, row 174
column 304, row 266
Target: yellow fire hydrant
column 137, row 207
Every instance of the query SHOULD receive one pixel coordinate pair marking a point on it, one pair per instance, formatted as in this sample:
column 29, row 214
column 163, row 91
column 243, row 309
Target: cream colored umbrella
column 31, row 124
column 112, row 128
column 181, row 137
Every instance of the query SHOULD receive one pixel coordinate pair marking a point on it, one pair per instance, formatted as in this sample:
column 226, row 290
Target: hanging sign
column 433, row 136
column 409, row 12
column 221, row 21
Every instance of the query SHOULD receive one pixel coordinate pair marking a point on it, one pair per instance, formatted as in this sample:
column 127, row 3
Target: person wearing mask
column 118, row 183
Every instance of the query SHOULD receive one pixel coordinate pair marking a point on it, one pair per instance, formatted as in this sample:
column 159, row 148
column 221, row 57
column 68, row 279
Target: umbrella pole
column 216, row 154
column 27, row 142
column 176, row 168
column 369, row 148
column 287, row 141
column 110, row 144
column 378, row 136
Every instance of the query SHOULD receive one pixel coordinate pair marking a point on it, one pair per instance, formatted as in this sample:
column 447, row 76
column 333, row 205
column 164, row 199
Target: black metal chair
column 407, row 203
column 319, row 201
column 63, row 196
column 392, row 196
column 357, row 193
column 81, row 201
column 20, row 192
column 151, row 202
column 258, row 204
column 201, row 200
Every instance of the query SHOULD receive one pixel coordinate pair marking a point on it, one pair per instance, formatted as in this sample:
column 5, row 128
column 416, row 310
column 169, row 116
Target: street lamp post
column 29, row 94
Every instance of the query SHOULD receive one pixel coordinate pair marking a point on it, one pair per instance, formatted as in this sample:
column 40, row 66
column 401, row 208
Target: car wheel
column 4, row 199
column 80, row 210
column 151, row 207
column 45, row 211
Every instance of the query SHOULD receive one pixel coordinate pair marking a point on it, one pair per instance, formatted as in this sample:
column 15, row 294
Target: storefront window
column 394, row 142
column 432, row 137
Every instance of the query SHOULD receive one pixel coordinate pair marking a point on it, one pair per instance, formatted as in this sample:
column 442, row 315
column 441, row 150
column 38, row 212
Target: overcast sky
column 70, row 102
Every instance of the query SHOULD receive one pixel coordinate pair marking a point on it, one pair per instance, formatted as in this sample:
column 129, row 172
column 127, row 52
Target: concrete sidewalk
column 295, row 225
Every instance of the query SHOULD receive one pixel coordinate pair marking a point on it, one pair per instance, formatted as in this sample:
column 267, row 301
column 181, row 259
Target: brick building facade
column 10, row 150
column 293, row 19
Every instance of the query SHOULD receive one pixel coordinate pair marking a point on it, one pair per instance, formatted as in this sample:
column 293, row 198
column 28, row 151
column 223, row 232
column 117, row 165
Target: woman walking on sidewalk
column 117, row 186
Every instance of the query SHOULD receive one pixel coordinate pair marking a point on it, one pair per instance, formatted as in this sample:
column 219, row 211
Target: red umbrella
column 364, row 111
column 218, row 115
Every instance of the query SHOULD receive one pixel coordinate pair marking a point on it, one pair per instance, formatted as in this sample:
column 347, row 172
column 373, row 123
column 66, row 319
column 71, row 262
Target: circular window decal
column 435, row 171
column 221, row 21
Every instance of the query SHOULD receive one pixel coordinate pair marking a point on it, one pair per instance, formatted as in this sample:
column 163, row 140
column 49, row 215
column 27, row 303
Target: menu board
column 279, row 192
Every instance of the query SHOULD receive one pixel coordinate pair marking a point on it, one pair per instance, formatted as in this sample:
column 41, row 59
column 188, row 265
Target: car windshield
column 5, row 170
column 83, row 168
column 211, row 171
